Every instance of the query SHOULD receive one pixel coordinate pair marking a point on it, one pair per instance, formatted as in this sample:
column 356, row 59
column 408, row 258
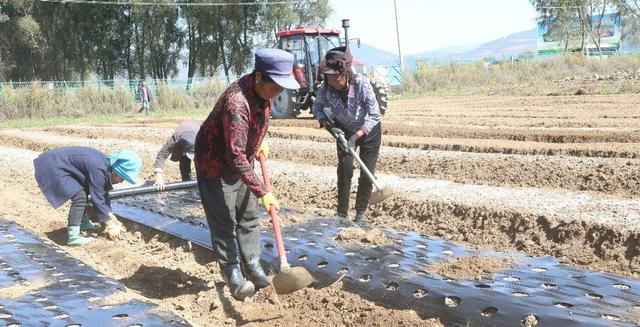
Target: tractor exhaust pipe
column 345, row 26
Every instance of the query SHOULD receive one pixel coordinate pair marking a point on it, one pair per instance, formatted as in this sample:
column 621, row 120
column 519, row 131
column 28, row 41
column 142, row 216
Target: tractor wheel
column 283, row 106
column 382, row 95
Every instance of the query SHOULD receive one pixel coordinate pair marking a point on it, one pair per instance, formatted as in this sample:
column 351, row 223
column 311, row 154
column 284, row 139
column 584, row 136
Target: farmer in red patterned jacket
column 225, row 148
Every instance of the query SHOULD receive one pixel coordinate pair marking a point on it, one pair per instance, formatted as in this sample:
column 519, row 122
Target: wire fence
column 391, row 74
column 131, row 85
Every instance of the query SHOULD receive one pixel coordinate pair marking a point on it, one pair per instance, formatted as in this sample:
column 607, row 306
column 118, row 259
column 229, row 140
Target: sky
column 432, row 24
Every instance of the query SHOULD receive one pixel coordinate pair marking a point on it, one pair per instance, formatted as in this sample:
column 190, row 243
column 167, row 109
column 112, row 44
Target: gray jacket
column 181, row 143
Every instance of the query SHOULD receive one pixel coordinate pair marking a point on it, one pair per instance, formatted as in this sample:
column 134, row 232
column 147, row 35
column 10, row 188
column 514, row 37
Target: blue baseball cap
column 278, row 65
column 126, row 164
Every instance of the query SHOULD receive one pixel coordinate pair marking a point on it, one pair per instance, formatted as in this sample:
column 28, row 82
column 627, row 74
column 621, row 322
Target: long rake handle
column 355, row 155
column 274, row 217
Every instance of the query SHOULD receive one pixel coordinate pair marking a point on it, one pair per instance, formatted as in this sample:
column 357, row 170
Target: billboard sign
column 551, row 41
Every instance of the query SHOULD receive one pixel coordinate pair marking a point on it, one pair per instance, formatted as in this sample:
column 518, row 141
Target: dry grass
column 550, row 76
column 37, row 101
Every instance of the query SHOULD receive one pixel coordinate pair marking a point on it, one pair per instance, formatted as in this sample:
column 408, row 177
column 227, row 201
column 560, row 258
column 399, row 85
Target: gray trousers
column 232, row 215
column 79, row 204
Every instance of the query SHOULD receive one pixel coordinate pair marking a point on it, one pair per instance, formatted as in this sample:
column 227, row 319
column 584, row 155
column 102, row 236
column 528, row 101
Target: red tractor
column 309, row 45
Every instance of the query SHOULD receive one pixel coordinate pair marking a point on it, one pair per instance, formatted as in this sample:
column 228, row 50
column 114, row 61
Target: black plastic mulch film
column 396, row 276
column 71, row 291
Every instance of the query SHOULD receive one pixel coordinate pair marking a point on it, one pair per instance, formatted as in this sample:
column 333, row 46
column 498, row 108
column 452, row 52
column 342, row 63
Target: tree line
column 574, row 24
column 73, row 41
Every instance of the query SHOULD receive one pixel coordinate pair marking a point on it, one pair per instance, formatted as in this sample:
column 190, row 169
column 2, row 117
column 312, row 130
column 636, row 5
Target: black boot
column 256, row 274
column 240, row 287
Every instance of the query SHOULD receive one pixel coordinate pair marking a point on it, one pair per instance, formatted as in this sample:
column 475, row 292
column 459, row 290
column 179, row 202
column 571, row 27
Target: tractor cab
column 308, row 45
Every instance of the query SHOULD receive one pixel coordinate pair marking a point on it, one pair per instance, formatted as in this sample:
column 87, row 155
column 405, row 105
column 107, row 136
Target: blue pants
column 145, row 107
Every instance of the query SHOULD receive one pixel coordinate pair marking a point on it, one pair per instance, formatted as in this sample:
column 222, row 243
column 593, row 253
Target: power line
column 187, row 4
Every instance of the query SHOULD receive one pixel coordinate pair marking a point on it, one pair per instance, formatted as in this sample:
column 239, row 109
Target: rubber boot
column 240, row 287
column 86, row 225
column 256, row 274
column 359, row 217
column 340, row 215
column 74, row 238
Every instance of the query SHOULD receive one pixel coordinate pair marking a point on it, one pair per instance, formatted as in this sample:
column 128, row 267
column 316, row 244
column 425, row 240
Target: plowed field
column 556, row 176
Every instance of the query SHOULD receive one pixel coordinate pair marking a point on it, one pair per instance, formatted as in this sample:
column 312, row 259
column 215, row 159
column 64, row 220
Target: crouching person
column 226, row 145
column 72, row 173
column 180, row 148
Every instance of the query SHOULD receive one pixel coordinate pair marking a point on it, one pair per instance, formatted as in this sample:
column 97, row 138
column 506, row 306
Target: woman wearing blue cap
column 71, row 173
column 226, row 145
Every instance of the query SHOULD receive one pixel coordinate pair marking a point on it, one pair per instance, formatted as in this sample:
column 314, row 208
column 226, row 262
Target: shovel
column 382, row 191
column 289, row 279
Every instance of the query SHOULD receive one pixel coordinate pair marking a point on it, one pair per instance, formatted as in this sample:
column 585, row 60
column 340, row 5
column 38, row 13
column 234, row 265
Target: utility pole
column 395, row 8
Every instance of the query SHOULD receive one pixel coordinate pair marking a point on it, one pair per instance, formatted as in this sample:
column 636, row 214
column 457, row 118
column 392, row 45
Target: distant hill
column 441, row 53
column 371, row 56
column 512, row 44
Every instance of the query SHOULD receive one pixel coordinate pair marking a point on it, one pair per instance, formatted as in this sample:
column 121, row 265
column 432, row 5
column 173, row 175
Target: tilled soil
column 553, row 176
column 608, row 175
column 178, row 275
column 472, row 267
column 354, row 235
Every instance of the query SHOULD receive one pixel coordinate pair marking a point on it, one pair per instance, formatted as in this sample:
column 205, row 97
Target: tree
column 283, row 17
column 23, row 41
column 66, row 41
column 630, row 11
column 158, row 40
column 201, row 41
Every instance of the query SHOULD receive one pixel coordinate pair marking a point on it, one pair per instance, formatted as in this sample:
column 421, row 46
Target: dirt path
column 543, row 175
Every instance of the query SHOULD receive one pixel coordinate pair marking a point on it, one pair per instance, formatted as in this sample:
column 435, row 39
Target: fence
column 132, row 85
column 390, row 74
column 43, row 99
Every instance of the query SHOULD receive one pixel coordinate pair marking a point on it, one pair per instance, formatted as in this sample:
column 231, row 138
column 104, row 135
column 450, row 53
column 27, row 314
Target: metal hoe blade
column 291, row 279
column 381, row 194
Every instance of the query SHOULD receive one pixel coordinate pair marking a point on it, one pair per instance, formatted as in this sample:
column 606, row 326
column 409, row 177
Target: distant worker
column 226, row 145
column 180, row 147
column 72, row 173
column 145, row 97
column 353, row 105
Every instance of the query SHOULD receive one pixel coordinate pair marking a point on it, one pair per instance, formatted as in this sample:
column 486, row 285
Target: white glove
column 113, row 228
column 159, row 182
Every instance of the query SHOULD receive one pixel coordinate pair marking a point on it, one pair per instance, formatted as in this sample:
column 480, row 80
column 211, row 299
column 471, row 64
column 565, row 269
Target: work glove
column 263, row 149
column 113, row 228
column 269, row 200
column 336, row 130
column 159, row 184
column 352, row 140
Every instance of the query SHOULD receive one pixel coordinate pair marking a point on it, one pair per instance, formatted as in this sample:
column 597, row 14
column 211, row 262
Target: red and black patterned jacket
column 228, row 139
